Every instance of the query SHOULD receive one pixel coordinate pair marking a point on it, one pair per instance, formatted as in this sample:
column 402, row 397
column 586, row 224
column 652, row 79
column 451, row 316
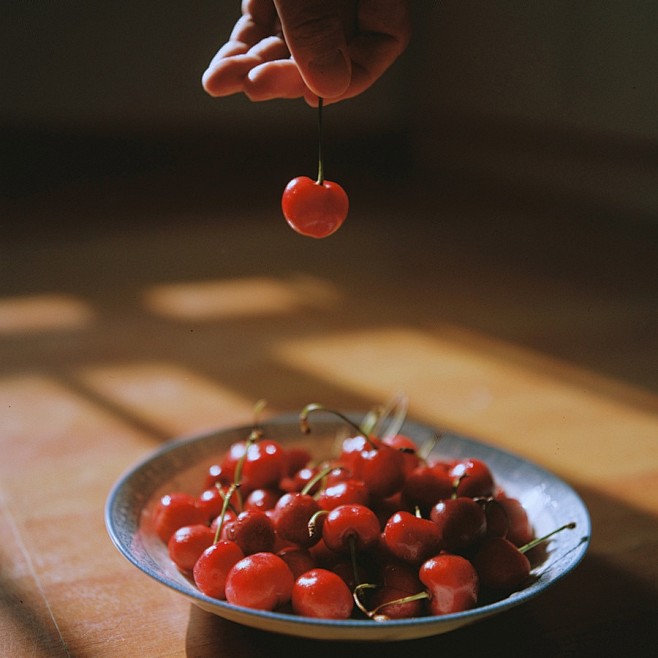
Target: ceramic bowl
column 181, row 465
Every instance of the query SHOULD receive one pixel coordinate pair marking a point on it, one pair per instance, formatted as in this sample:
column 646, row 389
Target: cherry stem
column 227, row 500
column 355, row 569
column 317, row 477
column 374, row 614
column 535, row 542
column 313, row 521
column 320, row 179
column 309, row 408
column 428, row 446
column 255, row 435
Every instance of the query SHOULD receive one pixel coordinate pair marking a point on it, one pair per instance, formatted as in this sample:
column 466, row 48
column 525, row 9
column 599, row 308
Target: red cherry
column 350, row 528
column 299, row 560
column 217, row 474
column 213, row 565
column 475, row 478
column 174, row 511
column 381, row 467
column 408, row 447
column 520, row 529
column 451, row 582
column 424, row 487
column 320, row 593
column 503, row 566
column 262, row 499
column 264, row 465
column 342, row 493
column 187, row 543
column 291, row 515
column 211, row 501
column 314, row 209
column 500, row 564
column 496, row 517
column 461, row 522
column 411, row 538
column 252, row 530
column 262, row 581
column 296, row 459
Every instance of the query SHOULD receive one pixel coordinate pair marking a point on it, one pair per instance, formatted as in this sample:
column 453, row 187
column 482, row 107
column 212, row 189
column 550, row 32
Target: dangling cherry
column 315, row 208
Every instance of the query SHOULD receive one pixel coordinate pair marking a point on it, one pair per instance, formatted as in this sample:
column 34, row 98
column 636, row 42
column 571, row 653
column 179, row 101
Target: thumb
column 315, row 32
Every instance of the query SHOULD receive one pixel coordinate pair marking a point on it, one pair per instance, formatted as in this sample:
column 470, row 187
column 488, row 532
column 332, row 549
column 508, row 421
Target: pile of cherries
column 377, row 531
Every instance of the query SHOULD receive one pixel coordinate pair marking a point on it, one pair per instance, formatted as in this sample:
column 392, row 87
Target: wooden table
column 130, row 316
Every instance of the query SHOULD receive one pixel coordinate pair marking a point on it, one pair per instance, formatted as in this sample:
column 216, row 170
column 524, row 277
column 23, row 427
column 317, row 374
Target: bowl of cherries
column 347, row 526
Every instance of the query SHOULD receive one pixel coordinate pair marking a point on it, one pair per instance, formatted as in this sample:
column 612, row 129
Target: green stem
column 320, row 180
column 314, row 406
column 535, row 542
column 227, row 501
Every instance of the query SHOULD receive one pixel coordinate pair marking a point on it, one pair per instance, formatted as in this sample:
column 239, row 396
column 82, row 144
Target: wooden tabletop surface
column 127, row 320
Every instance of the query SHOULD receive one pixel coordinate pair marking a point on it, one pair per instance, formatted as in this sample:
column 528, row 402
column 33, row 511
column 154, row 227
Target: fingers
column 276, row 79
column 339, row 48
column 316, row 32
column 228, row 71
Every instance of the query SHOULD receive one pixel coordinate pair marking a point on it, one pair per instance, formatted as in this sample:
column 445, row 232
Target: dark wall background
column 542, row 99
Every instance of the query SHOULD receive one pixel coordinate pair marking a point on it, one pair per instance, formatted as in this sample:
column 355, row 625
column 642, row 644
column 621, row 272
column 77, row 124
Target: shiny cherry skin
column 390, row 603
column 496, row 517
column 187, row 543
column 461, row 522
column 253, row 531
column 314, row 209
column 407, row 446
column 218, row 475
column 475, row 478
column 262, row 499
column 451, row 582
column 424, row 487
column 291, row 515
column 262, row 581
column 211, row 501
column 174, row 511
column 322, row 594
column 264, row 465
column 410, row 538
column 350, row 527
column 382, row 469
column 501, row 565
column 520, row 530
column 212, row 568
column 299, row 560
column 342, row 493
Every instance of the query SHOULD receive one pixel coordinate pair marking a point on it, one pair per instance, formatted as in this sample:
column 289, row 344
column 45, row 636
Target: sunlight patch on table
column 41, row 313
column 490, row 389
column 236, row 298
column 167, row 396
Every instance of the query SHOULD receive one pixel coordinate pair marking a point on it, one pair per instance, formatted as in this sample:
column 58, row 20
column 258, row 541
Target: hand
column 334, row 49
